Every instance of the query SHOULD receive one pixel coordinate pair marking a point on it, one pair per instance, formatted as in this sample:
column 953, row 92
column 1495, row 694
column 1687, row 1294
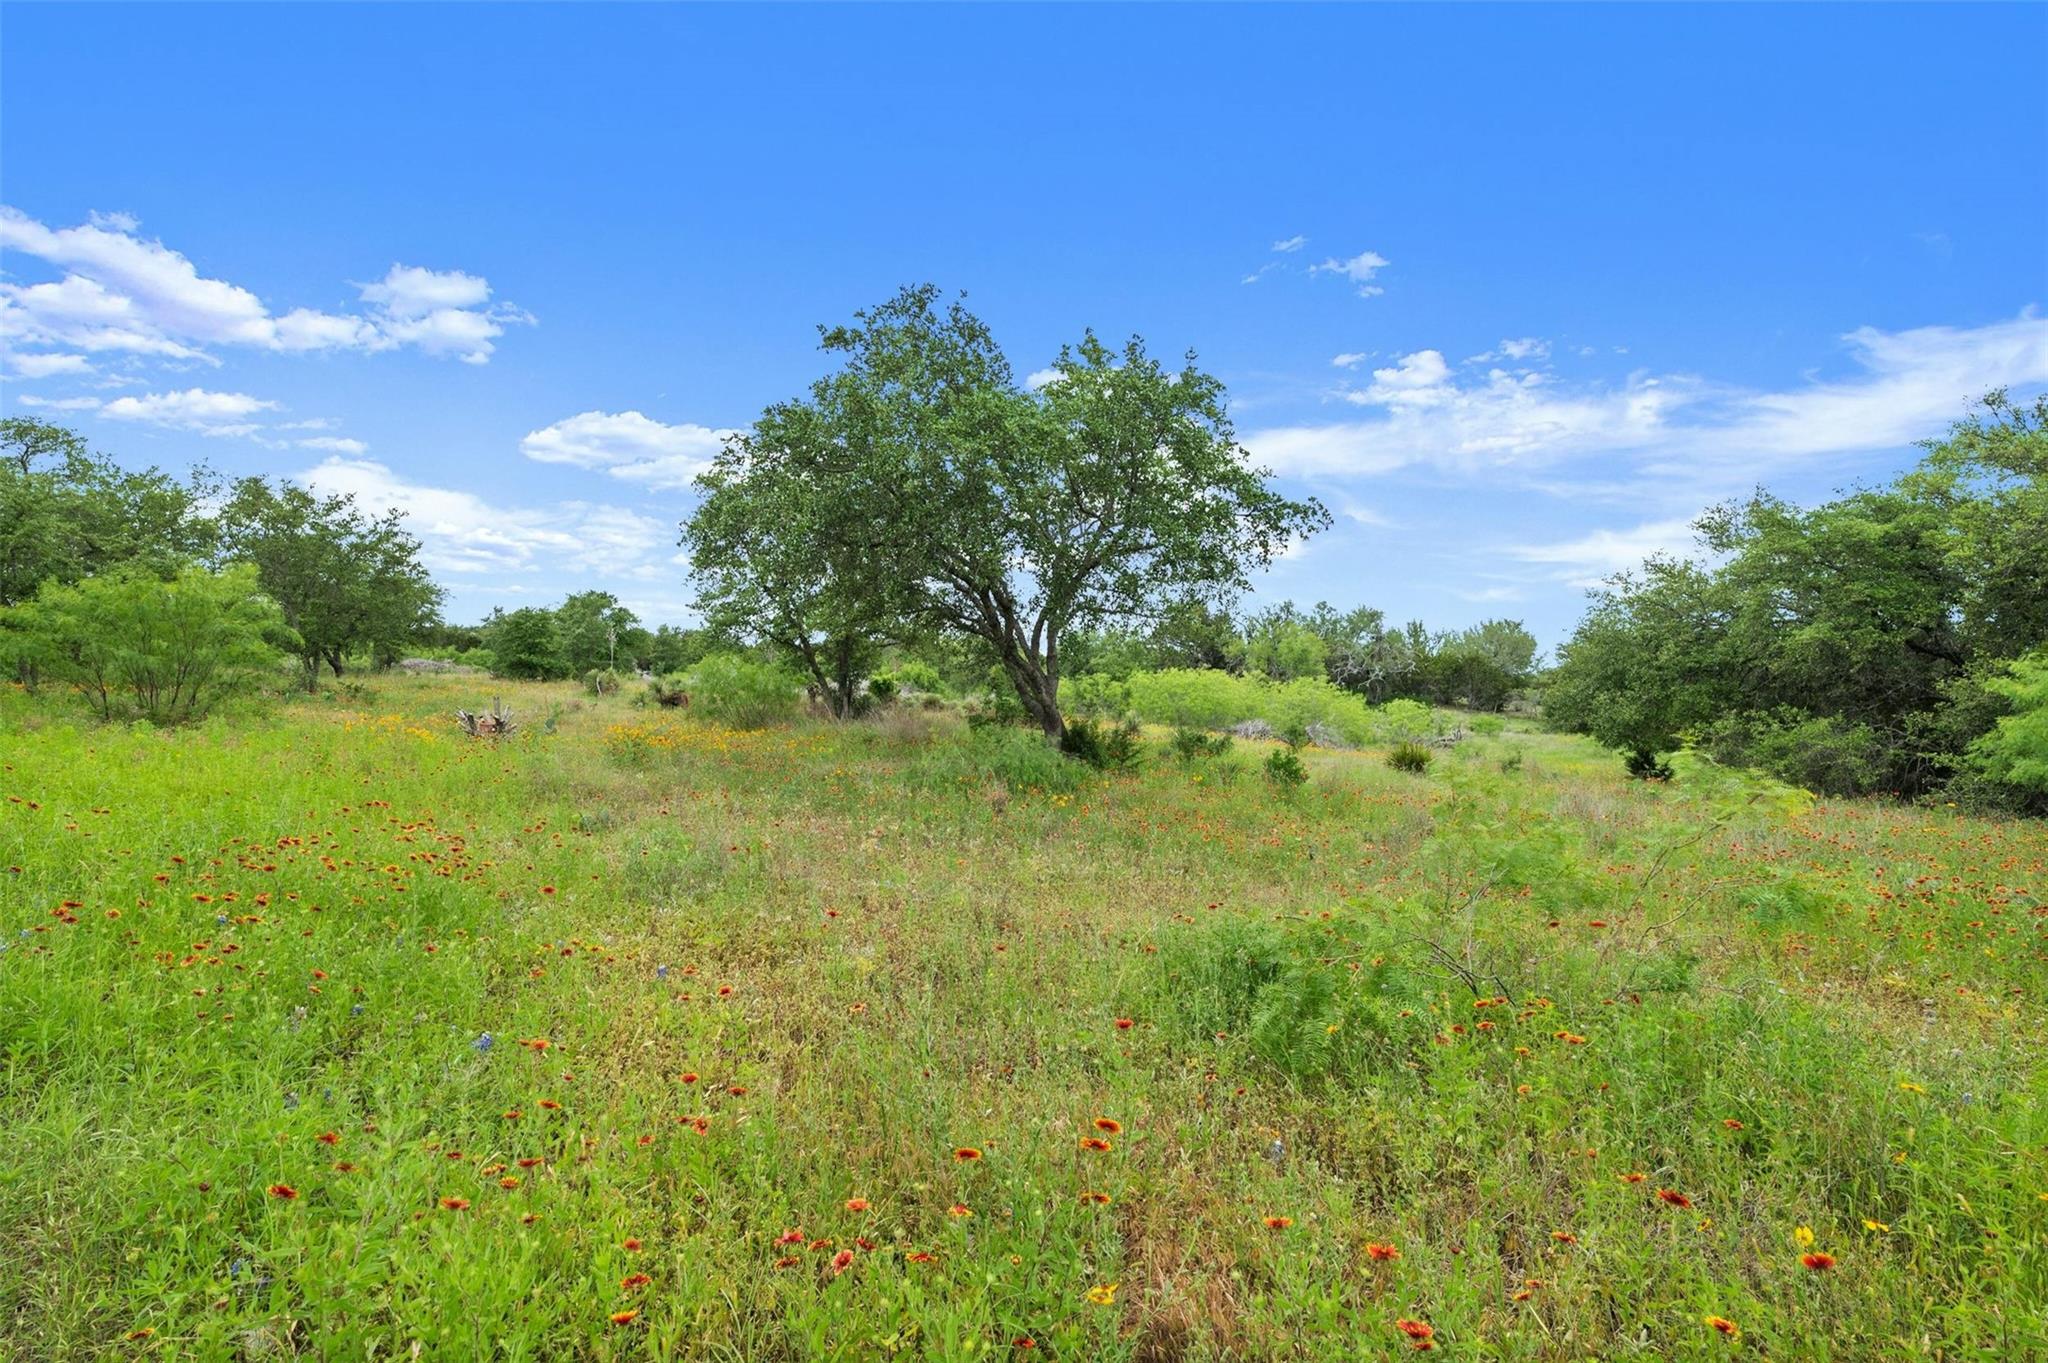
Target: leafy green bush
column 1819, row 752
column 918, row 676
column 2016, row 749
column 137, row 646
column 1024, row 761
column 1285, row 770
column 527, row 644
column 1488, row 726
column 739, row 691
column 1195, row 745
column 1402, row 720
column 881, row 689
column 602, row 681
column 1199, row 697
column 1106, row 747
column 1095, row 695
column 1645, row 765
column 1411, row 757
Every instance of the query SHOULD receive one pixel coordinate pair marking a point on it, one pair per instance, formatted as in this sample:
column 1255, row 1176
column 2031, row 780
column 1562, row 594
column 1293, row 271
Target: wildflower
column 1911, row 1088
column 328, row 1138
column 632, row 1244
column 689, row 1076
column 1105, row 1295
column 551, row 1105
column 788, row 1261
column 1278, row 1222
column 1123, row 1024
column 455, row 1204
column 1384, row 1254
column 1110, row 1125
column 508, row 1183
column 960, row 1209
column 842, row 1261
column 920, row 1256
column 1095, row 1143
column 1633, row 1177
column 966, row 1153
column 624, row 1317
column 1731, row 1124
column 1415, row 1329
column 529, row 1161
column 1817, row 1261
column 793, row 1236
column 284, row 1192
column 1802, row 1236
column 856, row 1204
column 1724, row 1325
column 1674, row 1197
column 633, row 1282
column 1564, row 1237
column 1880, row 1227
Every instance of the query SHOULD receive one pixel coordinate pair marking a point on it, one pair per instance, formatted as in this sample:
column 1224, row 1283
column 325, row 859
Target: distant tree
column 2015, row 750
column 1195, row 633
column 1280, row 644
column 670, row 649
column 590, row 626
column 67, row 513
column 527, row 644
column 133, row 642
column 347, row 581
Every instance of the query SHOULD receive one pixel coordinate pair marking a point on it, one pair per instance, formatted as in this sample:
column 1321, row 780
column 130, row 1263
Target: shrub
column 2015, row 751
column 881, row 689
column 1106, row 747
column 1411, row 757
column 139, row 646
column 1285, row 770
column 1819, row 752
column 1194, row 745
column 1488, row 726
column 1023, row 761
column 1095, row 695
column 1402, row 720
column 1645, row 765
column 736, row 690
column 602, row 681
column 671, row 692
column 917, row 676
column 1198, row 697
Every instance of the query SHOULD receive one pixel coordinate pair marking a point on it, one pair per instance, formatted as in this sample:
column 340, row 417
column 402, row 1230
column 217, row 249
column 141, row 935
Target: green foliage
column 1104, row 746
column 1645, row 765
column 1409, row 757
column 596, row 633
column 1488, row 726
column 2015, row 751
column 923, row 472
column 741, row 691
column 602, row 681
column 1875, row 616
column 166, row 650
column 1196, row 745
column 1026, row 762
column 1822, row 753
column 527, row 644
column 881, row 689
column 67, row 513
column 1285, row 769
column 1283, row 649
column 347, row 581
column 1402, row 720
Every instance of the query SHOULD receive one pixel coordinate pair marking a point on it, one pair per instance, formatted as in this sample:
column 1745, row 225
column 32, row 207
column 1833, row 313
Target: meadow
column 336, row 1033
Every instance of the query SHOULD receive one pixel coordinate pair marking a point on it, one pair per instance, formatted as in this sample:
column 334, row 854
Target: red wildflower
column 1109, row 1124
column 1123, row 1024
column 842, row 1261
column 621, row 1317
column 283, row 1191
column 633, row 1282
column 1818, row 1262
column 455, row 1204
column 1383, row 1253
column 1674, row 1197
column 966, row 1153
column 1278, row 1222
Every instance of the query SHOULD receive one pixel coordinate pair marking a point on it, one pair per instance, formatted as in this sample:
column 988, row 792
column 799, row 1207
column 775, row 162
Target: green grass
column 877, row 944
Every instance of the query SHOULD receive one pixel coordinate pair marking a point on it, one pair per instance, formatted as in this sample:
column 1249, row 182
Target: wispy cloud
column 1905, row 386
column 1359, row 269
column 193, row 409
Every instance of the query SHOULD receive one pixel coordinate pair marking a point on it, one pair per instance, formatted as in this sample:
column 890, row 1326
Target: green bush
column 1645, row 765
column 1025, row 762
column 135, row 645
column 1195, row 745
column 1284, row 768
column 1402, row 720
column 1095, row 695
column 1818, row 752
column 1411, row 757
column 1106, row 747
column 602, row 681
column 881, row 689
column 2016, row 750
column 1488, row 726
column 739, row 691
column 527, row 644
column 1199, row 697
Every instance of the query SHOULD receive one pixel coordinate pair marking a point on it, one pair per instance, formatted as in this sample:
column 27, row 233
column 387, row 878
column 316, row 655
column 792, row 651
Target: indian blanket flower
column 284, row 1192
column 1278, row 1222
column 1724, row 1325
column 1110, row 1125
column 1674, row 1197
column 1095, row 1143
column 1385, row 1254
column 966, row 1154
column 1817, row 1261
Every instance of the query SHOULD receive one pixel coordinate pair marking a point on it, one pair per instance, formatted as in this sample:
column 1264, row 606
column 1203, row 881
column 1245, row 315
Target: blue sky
column 1516, row 291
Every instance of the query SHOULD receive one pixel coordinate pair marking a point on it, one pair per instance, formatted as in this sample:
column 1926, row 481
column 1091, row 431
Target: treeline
column 159, row 597
column 1893, row 640
column 588, row 632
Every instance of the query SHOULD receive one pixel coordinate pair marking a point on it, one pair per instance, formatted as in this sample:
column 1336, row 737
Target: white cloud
column 335, row 443
column 627, row 445
column 120, row 292
column 1039, row 378
column 1359, row 269
column 1592, row 558
column 1517, row 349
column 1907, row 385
column 59, row 404
column 194, row 409
column 1350, row 359
column 43, row 366
column 460, row 532
column 1290, row 245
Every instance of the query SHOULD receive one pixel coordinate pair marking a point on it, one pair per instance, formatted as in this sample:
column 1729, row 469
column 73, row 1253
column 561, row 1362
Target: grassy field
column 339, row 1034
